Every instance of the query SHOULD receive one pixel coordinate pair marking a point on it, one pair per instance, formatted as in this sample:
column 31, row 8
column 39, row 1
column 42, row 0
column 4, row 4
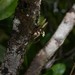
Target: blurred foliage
column 7, row 8
column 3, row 36
column 56, row 69
column 2, row 51
column 52, row 13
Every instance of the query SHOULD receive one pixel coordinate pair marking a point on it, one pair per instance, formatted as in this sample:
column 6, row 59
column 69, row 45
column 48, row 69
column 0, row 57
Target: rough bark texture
column 54, row 43
column 23, row 27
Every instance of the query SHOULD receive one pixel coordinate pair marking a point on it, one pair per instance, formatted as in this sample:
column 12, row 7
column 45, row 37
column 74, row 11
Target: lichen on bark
column 27, row 13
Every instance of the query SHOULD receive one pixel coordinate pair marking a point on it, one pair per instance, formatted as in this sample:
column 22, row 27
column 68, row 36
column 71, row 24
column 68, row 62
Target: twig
column 72, row 69
column 50, row 63
column 70, row 52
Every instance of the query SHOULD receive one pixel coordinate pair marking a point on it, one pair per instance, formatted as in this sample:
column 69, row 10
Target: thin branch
column 72, row 69
column 54, row 43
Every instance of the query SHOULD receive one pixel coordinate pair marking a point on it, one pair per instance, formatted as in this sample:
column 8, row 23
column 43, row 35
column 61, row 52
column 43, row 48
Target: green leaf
column 58, row 69
column 42, row 21
column 2, row 52
column 7, row 8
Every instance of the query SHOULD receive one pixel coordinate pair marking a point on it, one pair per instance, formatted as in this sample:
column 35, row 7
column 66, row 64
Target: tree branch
column 23, row 26
column 54, row 43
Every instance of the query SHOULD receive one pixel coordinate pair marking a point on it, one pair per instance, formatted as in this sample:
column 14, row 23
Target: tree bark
column 23, row 27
